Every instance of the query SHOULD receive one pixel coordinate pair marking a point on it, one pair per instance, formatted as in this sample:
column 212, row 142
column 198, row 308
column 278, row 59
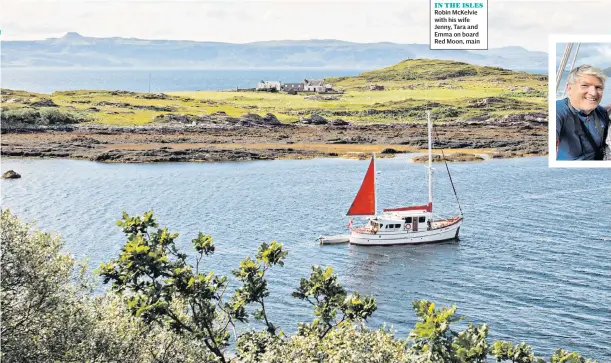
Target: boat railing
column 364, row 230
column 441, row 223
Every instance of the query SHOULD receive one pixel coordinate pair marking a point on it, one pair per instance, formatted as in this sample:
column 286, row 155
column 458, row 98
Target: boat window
column 408, row 219
column 397, row 226
column 422, row 219
column 381, row 225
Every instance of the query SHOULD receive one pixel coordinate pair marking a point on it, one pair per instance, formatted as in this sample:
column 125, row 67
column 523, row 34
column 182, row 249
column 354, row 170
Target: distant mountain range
column 75, row 50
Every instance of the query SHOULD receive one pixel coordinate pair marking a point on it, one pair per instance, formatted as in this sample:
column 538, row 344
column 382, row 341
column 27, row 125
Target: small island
column 11, row 174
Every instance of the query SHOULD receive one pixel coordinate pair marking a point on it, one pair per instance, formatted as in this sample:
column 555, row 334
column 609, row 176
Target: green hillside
column 429, row 69
column 415, row 71
column 400, row 93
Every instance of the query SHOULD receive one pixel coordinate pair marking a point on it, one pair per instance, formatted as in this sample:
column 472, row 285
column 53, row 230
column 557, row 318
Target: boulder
column 271, row 119
column 315, row 120
column 486, row 101
column 339, row 122
column 376, row 87
column 389, row 150
column 122, row 93
column 321, row 98
column 11, row 174
column 253, row 117
column 175, row 118
column 154, row 96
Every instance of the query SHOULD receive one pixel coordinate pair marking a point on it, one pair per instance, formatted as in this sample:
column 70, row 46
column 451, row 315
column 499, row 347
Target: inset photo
column 580, row 100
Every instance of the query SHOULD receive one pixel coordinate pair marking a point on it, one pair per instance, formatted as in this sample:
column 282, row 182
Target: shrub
column 41, row 117
column 49, row 313
column 161, row 309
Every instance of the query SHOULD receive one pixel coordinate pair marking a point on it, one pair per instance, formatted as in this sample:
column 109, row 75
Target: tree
column 163, row 288
column 323, row 291
column 50, row 314
column 252, row 275
column 161, row 309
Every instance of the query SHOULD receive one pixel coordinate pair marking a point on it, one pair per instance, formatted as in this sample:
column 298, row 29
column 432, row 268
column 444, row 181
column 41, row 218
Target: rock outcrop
column 315, row 120
column 11, row 174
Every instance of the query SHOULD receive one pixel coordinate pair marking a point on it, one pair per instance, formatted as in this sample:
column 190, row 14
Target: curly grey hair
column 585, row 69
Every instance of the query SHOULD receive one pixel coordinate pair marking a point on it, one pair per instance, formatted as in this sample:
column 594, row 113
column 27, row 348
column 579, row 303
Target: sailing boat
column 399, row 226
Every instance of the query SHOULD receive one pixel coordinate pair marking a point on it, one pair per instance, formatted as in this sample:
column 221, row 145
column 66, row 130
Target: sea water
column 533, row 260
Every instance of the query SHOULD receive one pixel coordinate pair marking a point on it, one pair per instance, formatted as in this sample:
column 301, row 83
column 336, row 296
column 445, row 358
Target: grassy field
column 452, row 90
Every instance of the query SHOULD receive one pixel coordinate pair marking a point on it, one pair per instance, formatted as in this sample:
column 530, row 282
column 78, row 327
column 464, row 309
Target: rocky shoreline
column 180, row 138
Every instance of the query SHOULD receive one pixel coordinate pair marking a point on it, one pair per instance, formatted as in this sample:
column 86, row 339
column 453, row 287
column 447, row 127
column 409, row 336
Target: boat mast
column 562, row 66
column 430, row 206
column 566, row 85
column 375, row 187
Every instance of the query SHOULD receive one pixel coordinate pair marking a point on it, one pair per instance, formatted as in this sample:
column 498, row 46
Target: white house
column 313, row 85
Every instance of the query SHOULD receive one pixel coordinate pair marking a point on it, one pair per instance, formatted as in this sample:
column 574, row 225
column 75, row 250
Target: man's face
column 586, row 93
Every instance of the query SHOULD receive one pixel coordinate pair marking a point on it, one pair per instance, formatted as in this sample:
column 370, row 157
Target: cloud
column 604, row 50
column 595, row 54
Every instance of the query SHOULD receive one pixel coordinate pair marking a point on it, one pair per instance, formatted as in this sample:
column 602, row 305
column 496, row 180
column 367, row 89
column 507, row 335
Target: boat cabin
column 403, row 225
column 400, row 222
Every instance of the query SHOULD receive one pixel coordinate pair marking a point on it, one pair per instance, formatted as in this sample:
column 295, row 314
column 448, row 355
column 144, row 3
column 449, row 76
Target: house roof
column 313, row 82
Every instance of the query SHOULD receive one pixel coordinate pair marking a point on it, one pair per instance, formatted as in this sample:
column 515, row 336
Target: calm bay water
column 533, row 258
column 51, row 80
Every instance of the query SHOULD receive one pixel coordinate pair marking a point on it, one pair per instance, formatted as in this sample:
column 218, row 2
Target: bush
column 161, row 309
column 49, row 313
column 45, row 116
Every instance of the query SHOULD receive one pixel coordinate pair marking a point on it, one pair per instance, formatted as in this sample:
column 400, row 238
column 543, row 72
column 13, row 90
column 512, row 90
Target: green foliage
column 470, row 345
column 563, row 356
column 323, row 291
column 434, row 340
column 345, row 343
column 521, row 353
column 203, row 244
column 35, row 279
column 253, row 346
column 50, row 315
column 161, row 309
column 252, row 275
column 41, row 117
column 163, row 288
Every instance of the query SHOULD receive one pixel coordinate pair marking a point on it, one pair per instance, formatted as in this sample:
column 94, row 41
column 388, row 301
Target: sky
column 594, row 54
column 511, row 22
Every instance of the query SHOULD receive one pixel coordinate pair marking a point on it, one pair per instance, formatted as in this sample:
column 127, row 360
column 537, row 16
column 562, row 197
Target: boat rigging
column 405, row 225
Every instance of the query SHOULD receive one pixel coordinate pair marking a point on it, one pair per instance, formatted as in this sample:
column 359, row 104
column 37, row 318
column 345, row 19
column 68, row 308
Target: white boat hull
column 405, row 237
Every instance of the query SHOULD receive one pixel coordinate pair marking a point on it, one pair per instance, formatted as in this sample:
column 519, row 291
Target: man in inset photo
column 607, row 151
column 581, row 123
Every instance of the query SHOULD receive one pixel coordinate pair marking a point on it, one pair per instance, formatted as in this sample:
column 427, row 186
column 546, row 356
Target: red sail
column 364, row 203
